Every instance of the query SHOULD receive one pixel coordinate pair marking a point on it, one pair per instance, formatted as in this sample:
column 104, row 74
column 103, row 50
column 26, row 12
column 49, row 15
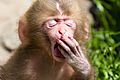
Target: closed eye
column 70, row 23
column 51, row 22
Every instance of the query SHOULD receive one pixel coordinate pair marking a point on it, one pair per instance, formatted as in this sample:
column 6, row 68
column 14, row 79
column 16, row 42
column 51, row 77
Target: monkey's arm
column 79, row 76
column 3, row 76
column 74, row 55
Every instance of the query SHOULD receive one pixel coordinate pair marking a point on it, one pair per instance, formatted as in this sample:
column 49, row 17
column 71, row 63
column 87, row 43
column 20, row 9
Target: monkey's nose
column 62, row 31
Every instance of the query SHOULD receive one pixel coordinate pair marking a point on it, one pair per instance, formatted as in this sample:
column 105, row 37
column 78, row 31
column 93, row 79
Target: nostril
column 62, row 31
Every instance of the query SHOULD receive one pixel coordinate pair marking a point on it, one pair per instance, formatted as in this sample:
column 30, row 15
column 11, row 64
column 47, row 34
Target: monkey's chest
column 59, row 76
column 62, row 75
column 56, row 75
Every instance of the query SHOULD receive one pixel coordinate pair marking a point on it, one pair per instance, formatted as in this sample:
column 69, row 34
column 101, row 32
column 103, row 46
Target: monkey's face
column 58, row 27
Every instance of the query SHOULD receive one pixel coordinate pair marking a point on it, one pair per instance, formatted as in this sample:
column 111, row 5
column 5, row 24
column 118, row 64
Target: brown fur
column 33, row 60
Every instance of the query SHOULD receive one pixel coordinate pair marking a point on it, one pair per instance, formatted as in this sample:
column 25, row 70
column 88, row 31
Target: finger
column 80, row 52
column 71, row 44
column 77, row 45
column 63, row 52
column 66, row 48
column 68, row 41
column 68, row 58
column 78, row 49
column 74, row 41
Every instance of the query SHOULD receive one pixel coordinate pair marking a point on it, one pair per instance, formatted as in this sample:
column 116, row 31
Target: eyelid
column 52, row 22
column 70, row 22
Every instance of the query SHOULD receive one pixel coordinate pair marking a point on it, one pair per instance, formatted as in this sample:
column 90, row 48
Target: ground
column 11, row 10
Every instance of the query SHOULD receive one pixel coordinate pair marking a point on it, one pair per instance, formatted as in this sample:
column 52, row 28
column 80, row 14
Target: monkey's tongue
column 57, row 52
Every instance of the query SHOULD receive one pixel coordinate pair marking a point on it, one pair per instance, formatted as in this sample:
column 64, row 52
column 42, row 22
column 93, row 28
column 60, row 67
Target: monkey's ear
column 22, row 29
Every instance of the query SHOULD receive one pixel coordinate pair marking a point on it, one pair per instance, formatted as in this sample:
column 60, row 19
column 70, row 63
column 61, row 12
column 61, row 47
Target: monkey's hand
column 73, row 54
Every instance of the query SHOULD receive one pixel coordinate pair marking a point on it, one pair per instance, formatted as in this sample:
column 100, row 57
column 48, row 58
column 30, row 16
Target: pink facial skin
column 58, row 27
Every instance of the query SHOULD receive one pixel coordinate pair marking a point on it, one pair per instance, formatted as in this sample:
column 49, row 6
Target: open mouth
column 57, row 52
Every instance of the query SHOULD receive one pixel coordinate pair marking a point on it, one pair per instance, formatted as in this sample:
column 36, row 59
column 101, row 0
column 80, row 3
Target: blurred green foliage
column 104, row 45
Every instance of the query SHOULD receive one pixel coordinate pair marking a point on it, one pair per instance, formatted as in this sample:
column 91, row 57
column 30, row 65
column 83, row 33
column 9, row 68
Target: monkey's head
column 48, row 21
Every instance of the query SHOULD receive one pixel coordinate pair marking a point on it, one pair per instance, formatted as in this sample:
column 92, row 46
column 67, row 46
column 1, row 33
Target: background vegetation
column 104, row 45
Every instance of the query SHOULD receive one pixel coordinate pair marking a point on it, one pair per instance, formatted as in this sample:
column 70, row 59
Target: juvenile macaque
column 52, row 33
